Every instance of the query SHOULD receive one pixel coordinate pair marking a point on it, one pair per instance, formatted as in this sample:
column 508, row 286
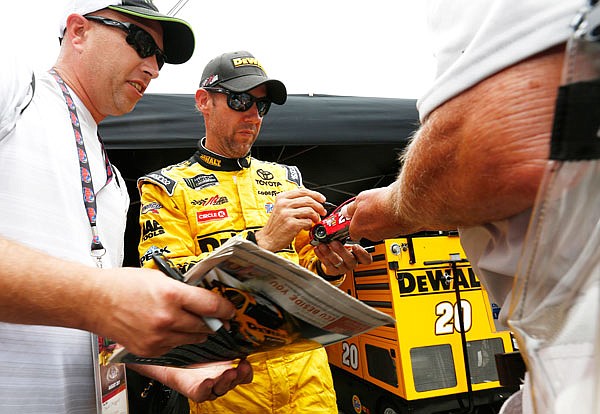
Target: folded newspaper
column 277, row 303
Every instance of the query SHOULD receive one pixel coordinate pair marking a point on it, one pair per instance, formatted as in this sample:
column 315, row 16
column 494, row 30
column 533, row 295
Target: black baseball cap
column 241, row 72
column 178, row 37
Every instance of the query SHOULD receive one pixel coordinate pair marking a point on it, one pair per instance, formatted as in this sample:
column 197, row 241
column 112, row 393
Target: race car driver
column 191, row 208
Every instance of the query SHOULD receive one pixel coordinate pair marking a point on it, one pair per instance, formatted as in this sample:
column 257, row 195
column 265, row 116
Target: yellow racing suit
column 191, row 208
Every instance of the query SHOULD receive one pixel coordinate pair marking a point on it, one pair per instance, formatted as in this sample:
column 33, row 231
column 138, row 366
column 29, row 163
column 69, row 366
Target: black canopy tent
column 172, row 121
column 342, row 145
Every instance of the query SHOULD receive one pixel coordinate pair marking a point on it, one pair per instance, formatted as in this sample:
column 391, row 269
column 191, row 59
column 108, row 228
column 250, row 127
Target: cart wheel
column 320, row 232
column 388, row 407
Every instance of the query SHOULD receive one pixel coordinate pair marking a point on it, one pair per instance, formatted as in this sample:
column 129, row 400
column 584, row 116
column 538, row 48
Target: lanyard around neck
column 89, row 196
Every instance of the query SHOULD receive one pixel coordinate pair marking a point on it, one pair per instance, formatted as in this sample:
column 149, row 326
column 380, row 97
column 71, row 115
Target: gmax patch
column 201, row 181
column 210, row 215
column 152, row 207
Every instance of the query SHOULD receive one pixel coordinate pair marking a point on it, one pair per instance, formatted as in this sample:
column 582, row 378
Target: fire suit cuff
column 252, row 237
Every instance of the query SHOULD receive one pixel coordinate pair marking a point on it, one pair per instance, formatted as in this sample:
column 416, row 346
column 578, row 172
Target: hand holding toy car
column 293, row 211
column 329, row 235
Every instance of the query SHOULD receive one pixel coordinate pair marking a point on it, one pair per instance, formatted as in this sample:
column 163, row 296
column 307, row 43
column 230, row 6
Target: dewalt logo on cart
column 436, row 281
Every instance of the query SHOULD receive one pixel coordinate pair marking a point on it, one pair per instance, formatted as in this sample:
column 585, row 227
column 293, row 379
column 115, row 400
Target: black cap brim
column 276, row 90
column 178, row 37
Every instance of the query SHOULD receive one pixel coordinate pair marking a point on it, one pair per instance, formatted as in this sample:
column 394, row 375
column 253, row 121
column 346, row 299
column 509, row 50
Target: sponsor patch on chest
column 201, row 181
column 210, row 215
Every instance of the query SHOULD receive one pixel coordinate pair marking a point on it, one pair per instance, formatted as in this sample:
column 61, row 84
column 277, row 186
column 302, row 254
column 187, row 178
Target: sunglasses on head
column 243, row 101
column 139, row 39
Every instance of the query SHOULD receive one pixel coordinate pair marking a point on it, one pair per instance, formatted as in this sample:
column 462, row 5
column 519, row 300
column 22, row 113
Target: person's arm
column 478, row 158
column 141, row 309
column 293, row 211
column 200, row 383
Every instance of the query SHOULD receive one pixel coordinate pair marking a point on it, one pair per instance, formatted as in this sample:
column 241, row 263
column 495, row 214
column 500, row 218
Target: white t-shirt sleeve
column 473, row 40
column 16, row 91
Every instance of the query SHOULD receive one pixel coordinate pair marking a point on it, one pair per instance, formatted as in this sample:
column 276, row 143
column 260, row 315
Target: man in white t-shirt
column 478, row 158
column 63, row 218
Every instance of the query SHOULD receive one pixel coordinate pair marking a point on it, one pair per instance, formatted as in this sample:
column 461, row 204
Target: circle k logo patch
column 209, row 215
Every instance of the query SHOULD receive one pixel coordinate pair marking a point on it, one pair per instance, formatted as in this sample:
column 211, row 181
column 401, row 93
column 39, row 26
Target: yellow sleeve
column 165, row 227
column 309, row 260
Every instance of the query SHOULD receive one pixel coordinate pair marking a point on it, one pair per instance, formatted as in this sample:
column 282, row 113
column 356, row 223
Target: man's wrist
column 321, row 272
column 262, row 241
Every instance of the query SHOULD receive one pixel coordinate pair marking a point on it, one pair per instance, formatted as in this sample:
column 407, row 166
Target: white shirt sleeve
column 475, row 39
column 16, row 91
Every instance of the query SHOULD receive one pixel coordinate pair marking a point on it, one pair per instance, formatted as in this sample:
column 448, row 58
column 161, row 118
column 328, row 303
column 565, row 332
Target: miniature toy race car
column 333, row 227
column 258, row 321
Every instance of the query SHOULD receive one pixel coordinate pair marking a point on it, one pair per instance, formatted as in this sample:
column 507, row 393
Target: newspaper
column 278, row 303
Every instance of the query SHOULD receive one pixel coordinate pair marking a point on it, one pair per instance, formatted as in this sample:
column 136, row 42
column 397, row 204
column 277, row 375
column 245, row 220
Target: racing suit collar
column 213, row 161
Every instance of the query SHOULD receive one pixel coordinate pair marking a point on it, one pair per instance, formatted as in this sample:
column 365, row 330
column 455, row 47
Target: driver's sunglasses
column 242, row 101
column 139, row 39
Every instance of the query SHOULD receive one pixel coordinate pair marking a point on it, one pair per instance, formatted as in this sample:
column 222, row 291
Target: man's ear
column 76, row 28
column 202, row 98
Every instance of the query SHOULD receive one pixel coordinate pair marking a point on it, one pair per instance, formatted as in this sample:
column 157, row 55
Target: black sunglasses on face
column 243, row 101
column 139, row 39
